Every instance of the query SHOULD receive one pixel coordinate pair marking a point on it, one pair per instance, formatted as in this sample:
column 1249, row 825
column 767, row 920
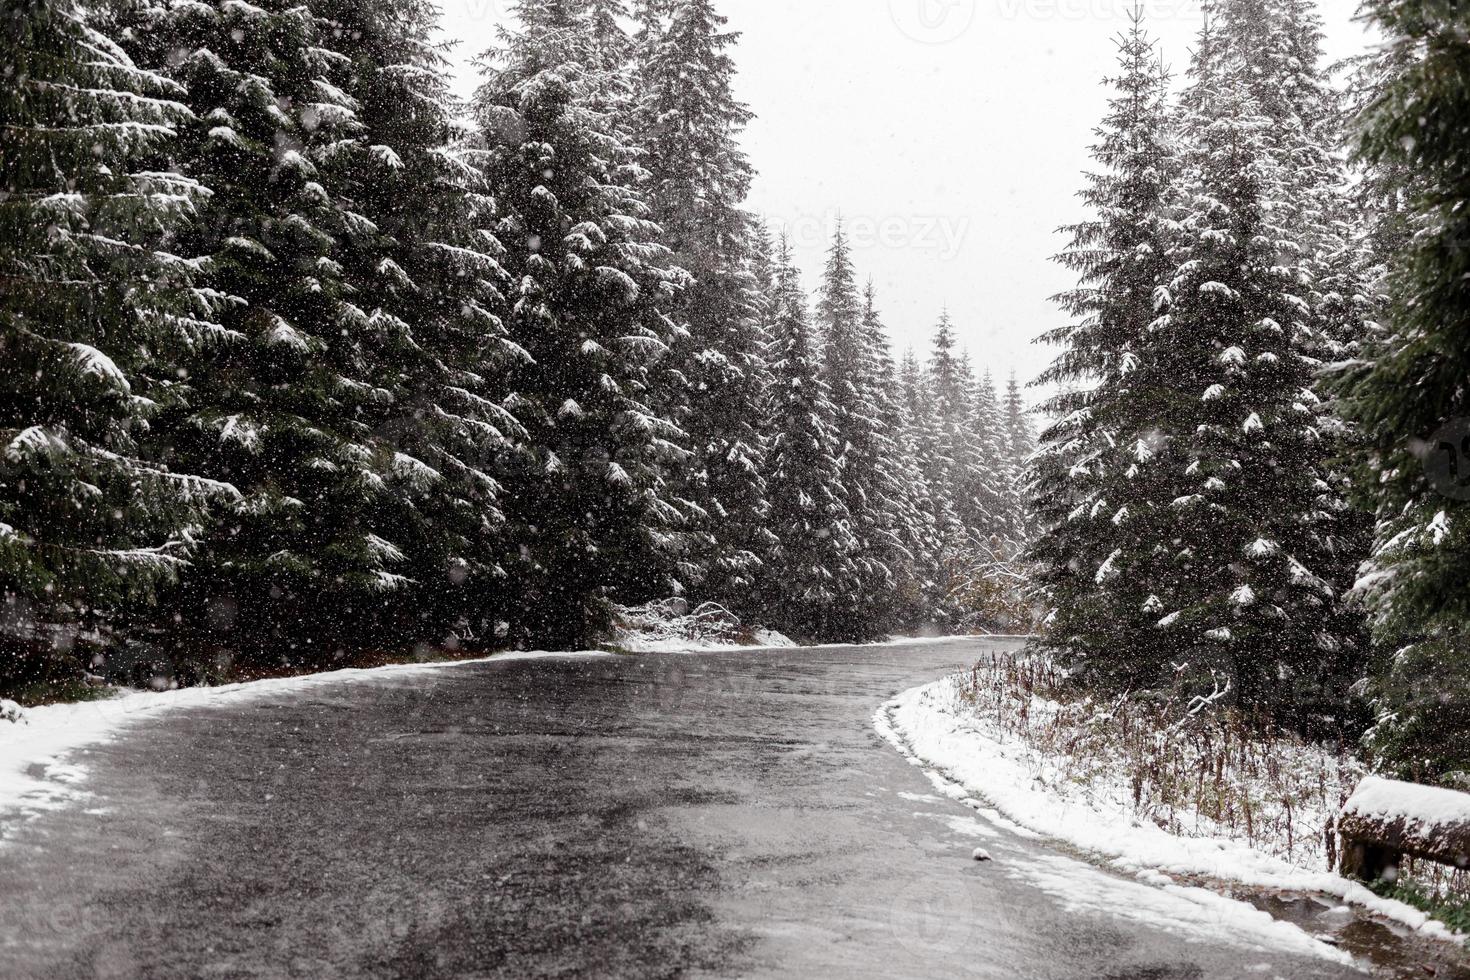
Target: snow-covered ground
column 670, row 626
column 968, row 760
column 37, row 774
column 648, row 642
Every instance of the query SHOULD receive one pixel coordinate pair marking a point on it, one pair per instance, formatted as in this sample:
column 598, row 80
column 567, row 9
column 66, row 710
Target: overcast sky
column 949, row 134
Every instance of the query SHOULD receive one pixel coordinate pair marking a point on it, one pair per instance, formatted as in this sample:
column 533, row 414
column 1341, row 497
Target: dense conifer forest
column 302, row 356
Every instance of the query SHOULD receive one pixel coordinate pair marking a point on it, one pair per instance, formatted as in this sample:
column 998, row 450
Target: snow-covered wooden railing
column 1385, row 821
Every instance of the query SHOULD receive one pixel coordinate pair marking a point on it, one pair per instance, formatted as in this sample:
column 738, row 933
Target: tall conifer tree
column 96, row 301
column 811, row 577
column 1083, row 473
column 295, row 565
column 1408, row 395
column 852, row 372
column 586, row 496
column 427, row 260
column 1220, row 547
column 688, row 124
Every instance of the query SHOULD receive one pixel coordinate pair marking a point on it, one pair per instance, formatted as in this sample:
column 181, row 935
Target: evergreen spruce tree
column 1217, row 558
column 1019, row 438
column 688, row 123
column 928, row 515
column 851, row 371
column 612, row 48
column 96, row 298
column 1407, row 394
column 427, row 261
column 934, row 445
column 293, row 568
column 585, row 497
column 1280, row 42
column 903, row 521
column 990, row 475
column 811, row 575
column 1083, row 473
column 962, row 451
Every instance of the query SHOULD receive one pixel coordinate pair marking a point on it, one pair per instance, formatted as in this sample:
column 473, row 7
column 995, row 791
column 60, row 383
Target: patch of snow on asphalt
column 1184, row 911
column 919, row 797
column 36, row 774
column 971, row 828
column 932, row 729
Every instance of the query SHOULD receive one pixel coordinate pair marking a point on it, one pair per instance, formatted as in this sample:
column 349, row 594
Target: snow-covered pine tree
column 1082, row 474
column 992, row 477
column 1408, row 394
column 850, row 370
column 760, row 259
column 1020, row 434
column 289, row 572
column 906, row 520
column 426, row 262
column 965, row 480
column 688, row 124
column 934, row 520
column 94, row 302
column 1221, row 540
column 1020, row 443
column 935, row 442
column 585, row 497
column 1281, row 43
column 612, row 49
column 811, row 576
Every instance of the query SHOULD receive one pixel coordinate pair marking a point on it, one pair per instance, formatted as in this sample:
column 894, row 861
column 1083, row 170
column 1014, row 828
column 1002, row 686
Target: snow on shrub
column 669, row 625
column 1185, row 764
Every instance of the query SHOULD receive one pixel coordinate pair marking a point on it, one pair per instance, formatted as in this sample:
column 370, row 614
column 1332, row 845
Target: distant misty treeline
column 299, row 355
column 1254, row 487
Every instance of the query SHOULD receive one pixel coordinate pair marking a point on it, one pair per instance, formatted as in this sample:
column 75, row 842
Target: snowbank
column 670, row 626
column 939, row 733
column 36, row 774
column 1421, row 809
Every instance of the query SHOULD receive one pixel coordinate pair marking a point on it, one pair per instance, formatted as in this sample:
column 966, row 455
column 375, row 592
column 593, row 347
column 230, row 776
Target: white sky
column 949, row 134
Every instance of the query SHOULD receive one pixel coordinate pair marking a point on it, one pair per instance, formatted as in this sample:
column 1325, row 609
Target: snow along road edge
column 37, row 775
column 965, row 765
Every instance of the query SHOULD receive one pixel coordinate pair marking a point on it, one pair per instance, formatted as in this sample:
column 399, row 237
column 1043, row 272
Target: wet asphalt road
column 660, row 816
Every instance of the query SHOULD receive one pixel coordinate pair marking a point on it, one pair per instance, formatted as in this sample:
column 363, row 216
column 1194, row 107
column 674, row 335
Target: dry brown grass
column 1195, row 769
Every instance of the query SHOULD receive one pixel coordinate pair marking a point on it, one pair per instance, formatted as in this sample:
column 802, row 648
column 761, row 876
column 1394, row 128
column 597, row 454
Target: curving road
column 658, row 816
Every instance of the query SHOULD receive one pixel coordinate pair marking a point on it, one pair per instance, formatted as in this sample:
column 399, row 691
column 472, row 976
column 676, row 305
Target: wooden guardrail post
column 1386, row 821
